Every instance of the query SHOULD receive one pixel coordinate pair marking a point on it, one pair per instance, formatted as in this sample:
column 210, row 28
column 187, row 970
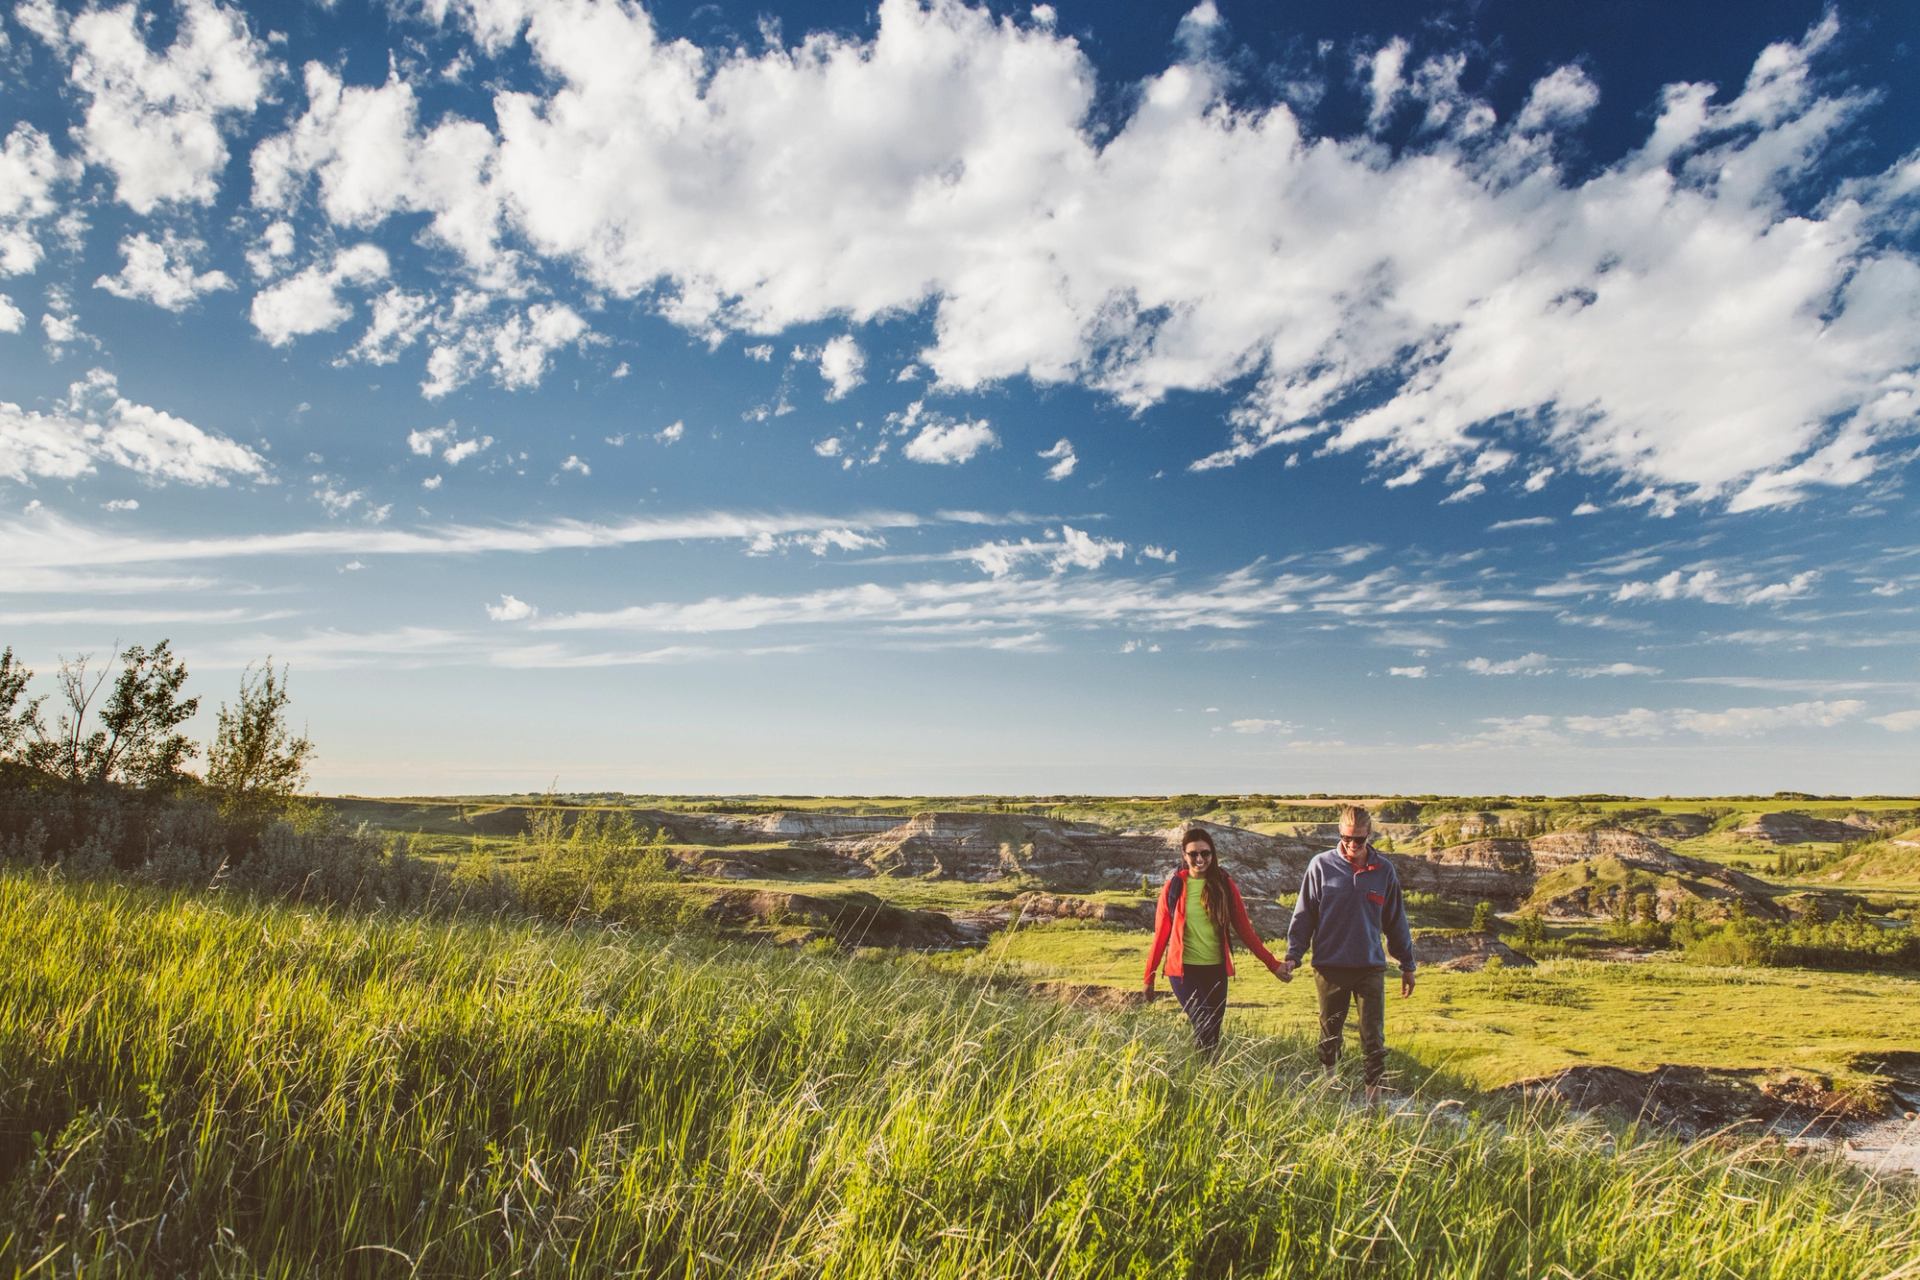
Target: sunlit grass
column 193, row 1085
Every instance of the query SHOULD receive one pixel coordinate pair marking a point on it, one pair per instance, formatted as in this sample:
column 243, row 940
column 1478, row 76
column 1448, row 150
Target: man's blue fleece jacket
column 1342, row 911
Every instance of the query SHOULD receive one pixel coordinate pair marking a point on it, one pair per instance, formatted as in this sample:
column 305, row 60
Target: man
column 1348, row 897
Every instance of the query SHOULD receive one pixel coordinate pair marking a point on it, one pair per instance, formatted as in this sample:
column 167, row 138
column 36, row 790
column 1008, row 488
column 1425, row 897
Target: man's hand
column 1406, row 985
column 1285, row 971
column 1148, row 991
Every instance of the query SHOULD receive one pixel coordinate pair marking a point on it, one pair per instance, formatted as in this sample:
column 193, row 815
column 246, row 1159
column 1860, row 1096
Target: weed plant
column 202, row 1084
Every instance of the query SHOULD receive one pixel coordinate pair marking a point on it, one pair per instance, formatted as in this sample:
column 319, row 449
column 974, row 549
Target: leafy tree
column 1483, row 917
column 254, row 761
column 138, row 739
column 1532, row 929
column 19, row 721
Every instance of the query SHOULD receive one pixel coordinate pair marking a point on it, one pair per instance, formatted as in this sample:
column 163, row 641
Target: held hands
column 1285, row 971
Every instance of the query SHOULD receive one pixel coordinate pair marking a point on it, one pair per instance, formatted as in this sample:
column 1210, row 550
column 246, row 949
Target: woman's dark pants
column 1202, row 993
column 1338, row 987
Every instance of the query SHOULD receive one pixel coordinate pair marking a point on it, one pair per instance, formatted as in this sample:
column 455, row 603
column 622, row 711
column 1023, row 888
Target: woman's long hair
column 1216, row 893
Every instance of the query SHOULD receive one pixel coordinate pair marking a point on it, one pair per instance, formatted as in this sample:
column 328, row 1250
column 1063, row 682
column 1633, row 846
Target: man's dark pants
column 1338, row 986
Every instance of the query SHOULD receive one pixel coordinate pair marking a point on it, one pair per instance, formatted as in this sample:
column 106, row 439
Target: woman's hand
column 1148, row 990
column 1284, row 971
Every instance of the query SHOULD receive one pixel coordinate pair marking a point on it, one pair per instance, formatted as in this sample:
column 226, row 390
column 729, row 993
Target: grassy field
column 194, row 1085
column 1513, row 1024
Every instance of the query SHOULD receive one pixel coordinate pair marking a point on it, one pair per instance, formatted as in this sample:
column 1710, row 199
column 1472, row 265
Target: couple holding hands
column 1349, row 899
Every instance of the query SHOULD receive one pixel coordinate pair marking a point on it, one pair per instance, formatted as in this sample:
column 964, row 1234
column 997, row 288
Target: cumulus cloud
column 1062, row 549
column 30, row 172
column 96, row 424
column 1717, row 586
column 674, row 431
column 273, row 248
column 155, row 120
column 162, row 272
column 1411, row 673
column 517, row 349
column 1263, row 726
column 1063, row 458
column 511, row 609
column 1640, row 722
column 1898, row 721
column 12, row 318
column 1498, row 301
column 1527, row 664
column 447, row 441
column 309, row 301
column 842, row 364
column 948, row 442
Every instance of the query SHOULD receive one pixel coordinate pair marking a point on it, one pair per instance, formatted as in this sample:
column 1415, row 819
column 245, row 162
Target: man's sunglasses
column 1356, row 841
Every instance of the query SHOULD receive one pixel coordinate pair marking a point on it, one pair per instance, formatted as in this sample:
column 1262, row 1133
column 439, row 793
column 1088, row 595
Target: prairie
column 265, row 1090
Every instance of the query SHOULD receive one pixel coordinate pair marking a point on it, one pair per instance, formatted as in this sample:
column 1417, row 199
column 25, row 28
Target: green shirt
column 1201, row 944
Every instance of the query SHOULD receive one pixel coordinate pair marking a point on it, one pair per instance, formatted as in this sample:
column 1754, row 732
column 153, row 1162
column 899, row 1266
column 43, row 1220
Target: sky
column 932, row 398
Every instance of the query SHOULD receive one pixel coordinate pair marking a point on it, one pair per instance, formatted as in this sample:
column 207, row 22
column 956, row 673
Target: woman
column 1200, row 909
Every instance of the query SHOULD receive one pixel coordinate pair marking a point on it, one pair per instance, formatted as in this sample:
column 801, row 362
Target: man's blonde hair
column 1356, row 816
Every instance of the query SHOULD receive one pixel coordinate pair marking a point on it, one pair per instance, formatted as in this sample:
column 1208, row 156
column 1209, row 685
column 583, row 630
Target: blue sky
column 938, row 399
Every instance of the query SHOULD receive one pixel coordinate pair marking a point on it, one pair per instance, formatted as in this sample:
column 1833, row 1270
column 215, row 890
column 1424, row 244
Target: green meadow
column 201, row 1084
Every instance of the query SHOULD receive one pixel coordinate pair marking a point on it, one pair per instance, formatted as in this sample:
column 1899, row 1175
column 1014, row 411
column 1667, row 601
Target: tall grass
column 191, row 1085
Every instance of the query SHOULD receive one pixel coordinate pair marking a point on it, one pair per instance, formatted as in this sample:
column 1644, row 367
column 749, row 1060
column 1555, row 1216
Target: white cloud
column 517, row 350
column 1898, row 721
column 1561, row 98
column 674, row 431
column 831, row 447
column 1411, row 673
column 1384, row 81
column 399, row 319
column 1524, row 522
column 1162, row 554
column 97, row 424
column 763, row 352
column 1538, row 480
column 574, row 463
column 121, row 504
column 155, row 121
column 274, row 247
column 161, row 272
column 30, row 172
column 309, row 301
column 947, row 442
column 1487, row 290
column 12, row 318
column 1586, row 509
column 1716, row 586
column 1063, row 458
column 1527, row 664
column 1062, row 549
column 510, row 609
column 1615, row 669
column 447, row 441
column 1263, row 726
column 1465, row 493
column 842, row 365
column 432, row 482
column 1641, row 722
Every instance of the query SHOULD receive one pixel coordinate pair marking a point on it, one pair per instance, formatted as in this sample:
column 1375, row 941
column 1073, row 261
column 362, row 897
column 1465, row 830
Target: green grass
column 1495, row 1028
column 195, row 1086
